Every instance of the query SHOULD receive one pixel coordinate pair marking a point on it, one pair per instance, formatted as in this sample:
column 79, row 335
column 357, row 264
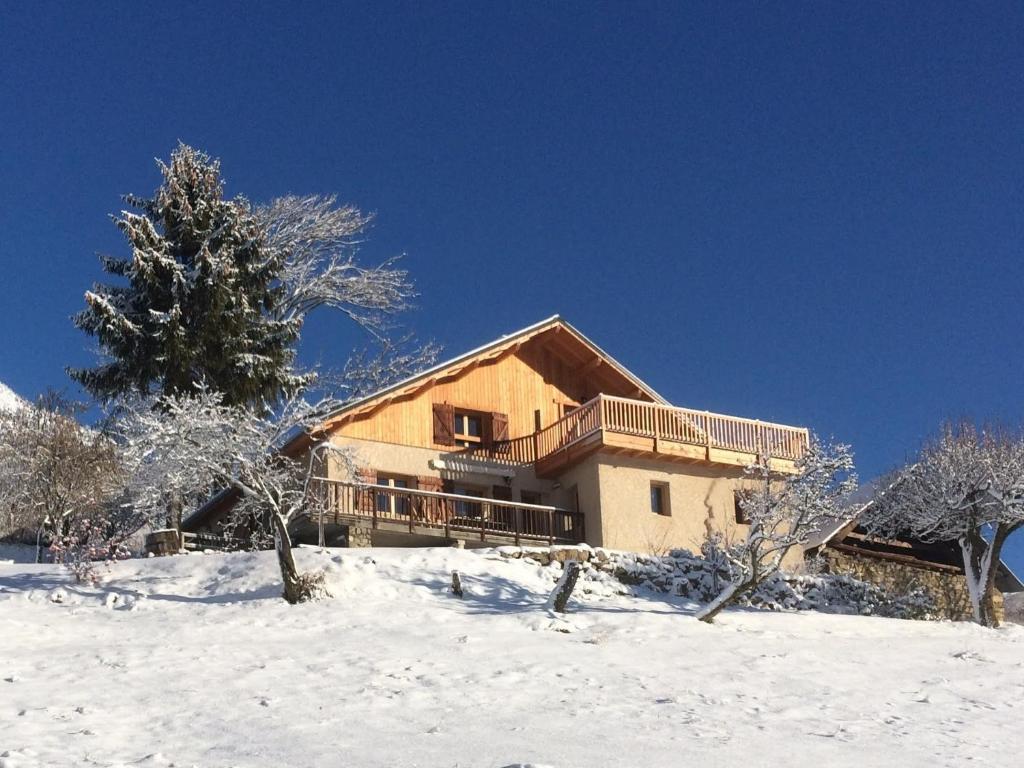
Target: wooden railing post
column 518, row 522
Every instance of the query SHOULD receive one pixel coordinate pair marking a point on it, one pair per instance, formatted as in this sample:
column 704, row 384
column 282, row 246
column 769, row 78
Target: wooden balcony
column 631, row 426
column 447, row 515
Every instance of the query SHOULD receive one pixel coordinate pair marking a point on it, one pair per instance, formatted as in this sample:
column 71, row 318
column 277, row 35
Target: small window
column 738, row 499
column 468, row 428
column 659, row 499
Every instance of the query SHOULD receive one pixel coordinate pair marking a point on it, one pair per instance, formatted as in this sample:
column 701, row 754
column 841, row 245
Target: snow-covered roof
column 530, row 330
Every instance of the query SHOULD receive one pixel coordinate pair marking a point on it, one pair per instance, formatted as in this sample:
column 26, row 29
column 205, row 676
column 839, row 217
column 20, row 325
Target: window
column 659, row 499
column 468, row 508
column 738, row 498
column 392, row 503
column 530, row 497
column 468, row 428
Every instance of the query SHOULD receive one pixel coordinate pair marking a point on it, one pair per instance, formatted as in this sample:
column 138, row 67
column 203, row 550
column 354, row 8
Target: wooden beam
column 593, row 365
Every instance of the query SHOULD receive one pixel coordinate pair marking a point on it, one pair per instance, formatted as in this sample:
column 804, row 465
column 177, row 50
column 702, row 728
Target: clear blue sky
column 803, row 212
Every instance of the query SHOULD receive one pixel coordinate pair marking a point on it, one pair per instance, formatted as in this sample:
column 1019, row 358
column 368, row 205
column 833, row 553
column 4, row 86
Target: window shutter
column 499, row 427
column 429, row 483
column 444, row 424
column 366, row 499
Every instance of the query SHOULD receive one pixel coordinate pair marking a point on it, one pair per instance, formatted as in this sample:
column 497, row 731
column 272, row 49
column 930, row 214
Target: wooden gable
column 512, row 384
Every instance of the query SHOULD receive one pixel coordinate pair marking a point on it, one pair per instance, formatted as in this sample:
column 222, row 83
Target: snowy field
column 195, row 661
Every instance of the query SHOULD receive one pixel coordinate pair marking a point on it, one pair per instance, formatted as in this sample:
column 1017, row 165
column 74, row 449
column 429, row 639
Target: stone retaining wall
column 947, row 590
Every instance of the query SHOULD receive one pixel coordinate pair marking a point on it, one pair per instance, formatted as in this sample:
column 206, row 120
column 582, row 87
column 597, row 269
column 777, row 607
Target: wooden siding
column 539, row 375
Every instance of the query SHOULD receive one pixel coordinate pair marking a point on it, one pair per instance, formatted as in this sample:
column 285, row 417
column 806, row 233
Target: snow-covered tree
column 189, row 444
column 966, row 487
column 783, row 509
column 184, row 447
column 216, row 291
column 197, row 306
column 55, row 474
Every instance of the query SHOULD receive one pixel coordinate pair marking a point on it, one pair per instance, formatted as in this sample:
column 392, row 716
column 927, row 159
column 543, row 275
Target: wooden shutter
column 444, row 424
column 499, row 427
column 366, row 499
column 429, row 483
column 429, row 508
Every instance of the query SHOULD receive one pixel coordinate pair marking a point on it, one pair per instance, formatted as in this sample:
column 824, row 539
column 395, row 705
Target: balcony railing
column 385, row 506
column 642, row 419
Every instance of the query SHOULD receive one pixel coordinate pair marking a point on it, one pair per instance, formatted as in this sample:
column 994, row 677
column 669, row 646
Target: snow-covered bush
column 87, row 543
column 782, row 510
column 698, row 578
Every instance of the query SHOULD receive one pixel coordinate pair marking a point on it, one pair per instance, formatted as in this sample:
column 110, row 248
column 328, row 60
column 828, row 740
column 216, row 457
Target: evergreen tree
column 202, row 298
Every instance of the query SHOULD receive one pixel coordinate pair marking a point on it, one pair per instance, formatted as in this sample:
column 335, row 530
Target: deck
column 443, row 515
column 620, row 425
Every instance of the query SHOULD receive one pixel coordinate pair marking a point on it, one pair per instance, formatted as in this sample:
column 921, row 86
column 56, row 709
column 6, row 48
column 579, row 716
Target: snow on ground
column 194, row 660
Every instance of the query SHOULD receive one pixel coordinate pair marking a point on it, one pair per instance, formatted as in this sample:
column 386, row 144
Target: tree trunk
column 174, row 508
column 39, row 540
column 563, row 590
column 285, row 559
column 729, row 596
column 973, row 549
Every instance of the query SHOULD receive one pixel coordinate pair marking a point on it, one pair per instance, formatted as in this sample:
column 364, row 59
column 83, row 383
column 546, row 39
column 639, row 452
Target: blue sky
column 809, row 213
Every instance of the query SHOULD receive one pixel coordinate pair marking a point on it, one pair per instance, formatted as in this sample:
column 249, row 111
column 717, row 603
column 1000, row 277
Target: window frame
column 660, row 489
column 460, row 421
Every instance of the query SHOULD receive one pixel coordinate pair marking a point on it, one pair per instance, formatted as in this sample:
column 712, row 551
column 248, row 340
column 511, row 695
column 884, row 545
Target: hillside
column 194, row 660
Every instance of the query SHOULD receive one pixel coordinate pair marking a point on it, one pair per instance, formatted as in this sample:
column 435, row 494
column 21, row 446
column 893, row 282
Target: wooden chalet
column 537, row 437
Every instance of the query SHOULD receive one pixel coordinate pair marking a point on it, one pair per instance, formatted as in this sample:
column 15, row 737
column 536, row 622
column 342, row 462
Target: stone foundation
column 360, row 536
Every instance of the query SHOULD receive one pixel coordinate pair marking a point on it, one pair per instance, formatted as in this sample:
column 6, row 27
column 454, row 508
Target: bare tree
column 317, row 242
column 783, row 509
column 967, row 487
column 55, row 473
column 182, row 445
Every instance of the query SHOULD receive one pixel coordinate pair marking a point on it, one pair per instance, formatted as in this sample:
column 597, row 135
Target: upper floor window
column 469, row 429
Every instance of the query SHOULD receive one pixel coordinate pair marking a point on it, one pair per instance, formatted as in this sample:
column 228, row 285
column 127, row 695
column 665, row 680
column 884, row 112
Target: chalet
column 538, row 437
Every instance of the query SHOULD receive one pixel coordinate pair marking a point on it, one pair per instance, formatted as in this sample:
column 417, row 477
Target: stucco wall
column 700, row 499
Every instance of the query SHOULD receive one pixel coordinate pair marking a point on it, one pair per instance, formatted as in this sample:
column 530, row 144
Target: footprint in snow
column 971, row 656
